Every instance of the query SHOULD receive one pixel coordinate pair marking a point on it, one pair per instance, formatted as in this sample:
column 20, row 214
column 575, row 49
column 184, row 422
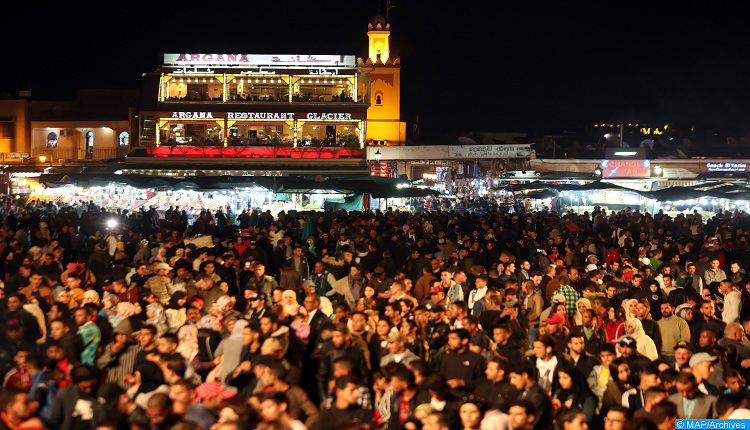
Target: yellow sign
column 647, row 130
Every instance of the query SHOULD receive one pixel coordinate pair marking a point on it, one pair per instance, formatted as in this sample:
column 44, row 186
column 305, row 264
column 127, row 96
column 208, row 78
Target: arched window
column 378, row 99
column 124, row 139
column 52, row 140
column 89, row 145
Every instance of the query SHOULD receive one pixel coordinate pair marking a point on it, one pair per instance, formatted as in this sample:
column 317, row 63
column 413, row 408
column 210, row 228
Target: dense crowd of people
column 333, row 320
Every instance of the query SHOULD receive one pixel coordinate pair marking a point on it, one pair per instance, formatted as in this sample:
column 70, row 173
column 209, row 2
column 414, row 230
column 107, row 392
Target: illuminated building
column 236, row 100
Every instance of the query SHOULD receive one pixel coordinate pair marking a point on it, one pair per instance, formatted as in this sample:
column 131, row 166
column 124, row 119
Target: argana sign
column 193, row 115
column 489, row 151
column 247, row 60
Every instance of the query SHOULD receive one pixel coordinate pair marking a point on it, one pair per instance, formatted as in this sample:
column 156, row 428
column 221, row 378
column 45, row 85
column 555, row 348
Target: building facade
column 236, row 100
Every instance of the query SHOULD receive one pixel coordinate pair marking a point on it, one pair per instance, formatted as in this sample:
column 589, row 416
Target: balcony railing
column 280, row 98
column 198, row 152
column 54, row 154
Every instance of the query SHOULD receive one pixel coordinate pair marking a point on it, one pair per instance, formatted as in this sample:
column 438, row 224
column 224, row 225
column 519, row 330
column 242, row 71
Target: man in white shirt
column 732, row 302
column 476, row 295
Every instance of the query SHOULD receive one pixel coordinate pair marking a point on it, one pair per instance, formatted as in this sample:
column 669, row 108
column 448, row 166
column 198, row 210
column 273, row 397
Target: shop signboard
column 266, row 115
column 490, row 151
column 728, row 167
column 17, row 155
column 197, row 115
column 626, row 168
column 248, row 60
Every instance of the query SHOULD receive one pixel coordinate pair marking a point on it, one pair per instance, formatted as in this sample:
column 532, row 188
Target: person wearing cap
column 691, row 402
column 209, row 396
column 160, row 284
column 702, row 367
column 437, row 295
column 555, row 330
column 398, row 353
column 627, row 347
column 119, row 356
column 380, row 281
column 437, row 332
column 683, row 352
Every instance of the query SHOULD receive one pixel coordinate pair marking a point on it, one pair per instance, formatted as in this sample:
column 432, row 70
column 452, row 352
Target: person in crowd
column 691, row 402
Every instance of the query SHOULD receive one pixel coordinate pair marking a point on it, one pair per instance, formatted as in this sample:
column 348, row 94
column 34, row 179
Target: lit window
column 124, row 139
column 52, row 140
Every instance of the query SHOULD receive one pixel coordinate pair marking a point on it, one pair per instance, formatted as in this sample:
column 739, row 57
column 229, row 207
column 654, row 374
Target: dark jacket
column 332, row 418
column 73, row 409
column 468, row 366
column 542, row 406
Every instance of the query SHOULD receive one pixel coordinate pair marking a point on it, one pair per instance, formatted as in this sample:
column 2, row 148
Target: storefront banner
column 726, row 167
column 245, row 60
column 279, row 116
column 489, row 151
column 626, row 169
column 268, row 116
column 17, row 155
column 197, row 115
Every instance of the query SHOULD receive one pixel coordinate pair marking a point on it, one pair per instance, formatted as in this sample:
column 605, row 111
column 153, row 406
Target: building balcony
column 58, row 154
column 247, row 152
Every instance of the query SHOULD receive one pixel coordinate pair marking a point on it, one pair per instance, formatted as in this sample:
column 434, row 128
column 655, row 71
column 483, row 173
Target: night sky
column 491, row 66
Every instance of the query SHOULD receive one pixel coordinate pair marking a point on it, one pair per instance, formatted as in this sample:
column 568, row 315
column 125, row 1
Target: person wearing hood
column 644, row 344
column 231, row 350
column 157, row 317
column 119, row 356
column 160, row 284
column 148, row 379
column 176, row 311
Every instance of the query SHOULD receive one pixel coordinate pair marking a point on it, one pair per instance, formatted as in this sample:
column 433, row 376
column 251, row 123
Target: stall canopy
column 719, row 190
column 278, row 184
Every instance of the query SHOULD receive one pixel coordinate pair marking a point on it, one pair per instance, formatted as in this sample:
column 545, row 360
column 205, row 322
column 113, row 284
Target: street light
column 378, row 155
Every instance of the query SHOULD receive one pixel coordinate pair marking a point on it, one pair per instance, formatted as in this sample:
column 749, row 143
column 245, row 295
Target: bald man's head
column 734, row 331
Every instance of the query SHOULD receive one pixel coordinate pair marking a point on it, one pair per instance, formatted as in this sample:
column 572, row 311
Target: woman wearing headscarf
column 581, row 305
column 289, row 303
column 571, row 391
column 149, row 380
column 628, row 306
column 644, row 344
column 157, row 317
column 187, row 338
column 90, row 296
column 231, row 350
column 223, row 310
column 160, row 254
column 176, row 311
